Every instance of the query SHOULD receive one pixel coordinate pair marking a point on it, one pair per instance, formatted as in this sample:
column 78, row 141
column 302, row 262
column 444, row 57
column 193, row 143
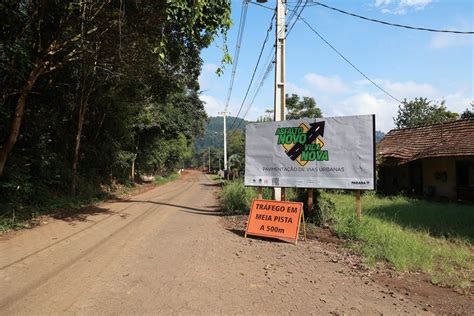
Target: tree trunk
column 80, row 123
column 18, row 116
column 132, row 175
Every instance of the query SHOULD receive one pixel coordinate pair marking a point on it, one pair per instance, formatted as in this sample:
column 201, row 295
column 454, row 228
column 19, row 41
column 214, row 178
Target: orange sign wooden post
column 277, row 219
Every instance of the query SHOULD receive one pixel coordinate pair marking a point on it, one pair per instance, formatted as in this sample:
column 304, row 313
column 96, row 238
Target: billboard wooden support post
column 260, row 193
column 358, row 212
column 283, row 194
column 310, row 201
column 304, row 226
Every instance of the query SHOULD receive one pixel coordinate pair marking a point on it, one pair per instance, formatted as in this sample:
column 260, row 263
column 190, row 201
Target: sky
column 406, row 63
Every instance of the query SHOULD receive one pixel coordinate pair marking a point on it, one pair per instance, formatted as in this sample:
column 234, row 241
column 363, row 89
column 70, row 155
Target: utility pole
column 225, row 137
column 209, row 159
column 279, row 108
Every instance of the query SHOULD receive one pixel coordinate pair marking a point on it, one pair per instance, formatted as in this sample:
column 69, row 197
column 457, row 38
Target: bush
column 235, row 198
column 323, row 212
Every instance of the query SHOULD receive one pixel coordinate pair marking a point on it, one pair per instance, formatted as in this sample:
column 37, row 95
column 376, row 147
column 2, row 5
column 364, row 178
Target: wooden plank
column 358, row 211
column 310, row 201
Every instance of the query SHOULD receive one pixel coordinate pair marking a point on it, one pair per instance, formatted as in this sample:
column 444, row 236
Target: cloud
column 366, row 103
column 206, row 76
column 444, row 40
column 292, row 88
column 330, row 85
column 336, row 97
column 402, row 90
column 212, row 105
column 458, row 102
column 400, row 7
column 361, row 97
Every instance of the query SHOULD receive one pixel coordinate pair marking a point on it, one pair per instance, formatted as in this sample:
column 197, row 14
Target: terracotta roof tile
column 454, row 138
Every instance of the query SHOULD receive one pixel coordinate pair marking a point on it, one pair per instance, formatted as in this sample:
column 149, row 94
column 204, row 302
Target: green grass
column 405, row 234
column 411, row 235
column 163, row 180
column 235, row 198
column 217, row 179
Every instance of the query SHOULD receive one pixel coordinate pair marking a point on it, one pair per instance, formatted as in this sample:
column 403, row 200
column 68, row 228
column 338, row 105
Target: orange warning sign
column 277, row 219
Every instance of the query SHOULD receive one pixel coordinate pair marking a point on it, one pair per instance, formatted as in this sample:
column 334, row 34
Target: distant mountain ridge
column 214, row 131
column 379, row 136
column 214, row 137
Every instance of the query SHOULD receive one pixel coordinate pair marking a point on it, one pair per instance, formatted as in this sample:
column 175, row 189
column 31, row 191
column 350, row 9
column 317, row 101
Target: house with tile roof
column 434, row 161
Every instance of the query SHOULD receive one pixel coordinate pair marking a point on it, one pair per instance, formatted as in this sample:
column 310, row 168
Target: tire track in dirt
column 8, row 300
column 115, row 213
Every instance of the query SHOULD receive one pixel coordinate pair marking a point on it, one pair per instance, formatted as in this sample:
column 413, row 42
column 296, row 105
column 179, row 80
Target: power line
column 271, row 59
column 255, row 69
column 261, row 5
column 391, row 24
column 238, row 44
column 295, row 11
column 258, row 87
column 347, row 60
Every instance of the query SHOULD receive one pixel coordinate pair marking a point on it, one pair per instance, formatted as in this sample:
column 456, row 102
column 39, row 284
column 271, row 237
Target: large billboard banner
column 333, row 152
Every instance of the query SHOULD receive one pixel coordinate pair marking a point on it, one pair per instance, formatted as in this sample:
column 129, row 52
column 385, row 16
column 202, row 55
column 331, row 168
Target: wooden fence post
column 358, row 211
column 310, row 202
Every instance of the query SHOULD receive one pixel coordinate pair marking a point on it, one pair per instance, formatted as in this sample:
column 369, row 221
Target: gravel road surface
column 165, row 252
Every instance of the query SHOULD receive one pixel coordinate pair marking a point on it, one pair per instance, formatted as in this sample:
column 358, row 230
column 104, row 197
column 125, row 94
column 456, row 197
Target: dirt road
column 164, row 251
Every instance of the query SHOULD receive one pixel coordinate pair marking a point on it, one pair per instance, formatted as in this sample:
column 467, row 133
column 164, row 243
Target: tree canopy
column 420, row 111
column 98, row 91
column 467, row 114
column 299, row 108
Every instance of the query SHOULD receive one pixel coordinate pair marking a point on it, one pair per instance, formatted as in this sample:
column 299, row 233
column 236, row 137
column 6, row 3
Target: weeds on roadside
column 235, row 198
column 397, row 231
column 409, row 235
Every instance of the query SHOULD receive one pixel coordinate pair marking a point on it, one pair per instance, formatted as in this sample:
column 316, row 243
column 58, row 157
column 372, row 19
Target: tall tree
column 299, row 108
column 420, row 111
column 39, row 37
column 115, row 85
column 467, row 114
column 157, row 43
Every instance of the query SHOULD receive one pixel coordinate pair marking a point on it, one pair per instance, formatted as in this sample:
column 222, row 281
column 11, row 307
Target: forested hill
column 379, row 136
column 93, row 95
column 213, row 134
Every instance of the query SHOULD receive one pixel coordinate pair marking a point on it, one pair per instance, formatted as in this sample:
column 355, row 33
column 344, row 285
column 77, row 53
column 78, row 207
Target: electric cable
column 255, row 70
column 291, row 23
column 391, row 24
column 238, row 44
column 347, row 60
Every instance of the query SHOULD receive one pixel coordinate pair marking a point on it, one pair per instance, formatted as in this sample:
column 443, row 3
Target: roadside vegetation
column 94, row 96
column 404, row 234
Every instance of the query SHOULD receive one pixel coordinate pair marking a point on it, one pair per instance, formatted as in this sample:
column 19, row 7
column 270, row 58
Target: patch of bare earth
column 415, row 288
